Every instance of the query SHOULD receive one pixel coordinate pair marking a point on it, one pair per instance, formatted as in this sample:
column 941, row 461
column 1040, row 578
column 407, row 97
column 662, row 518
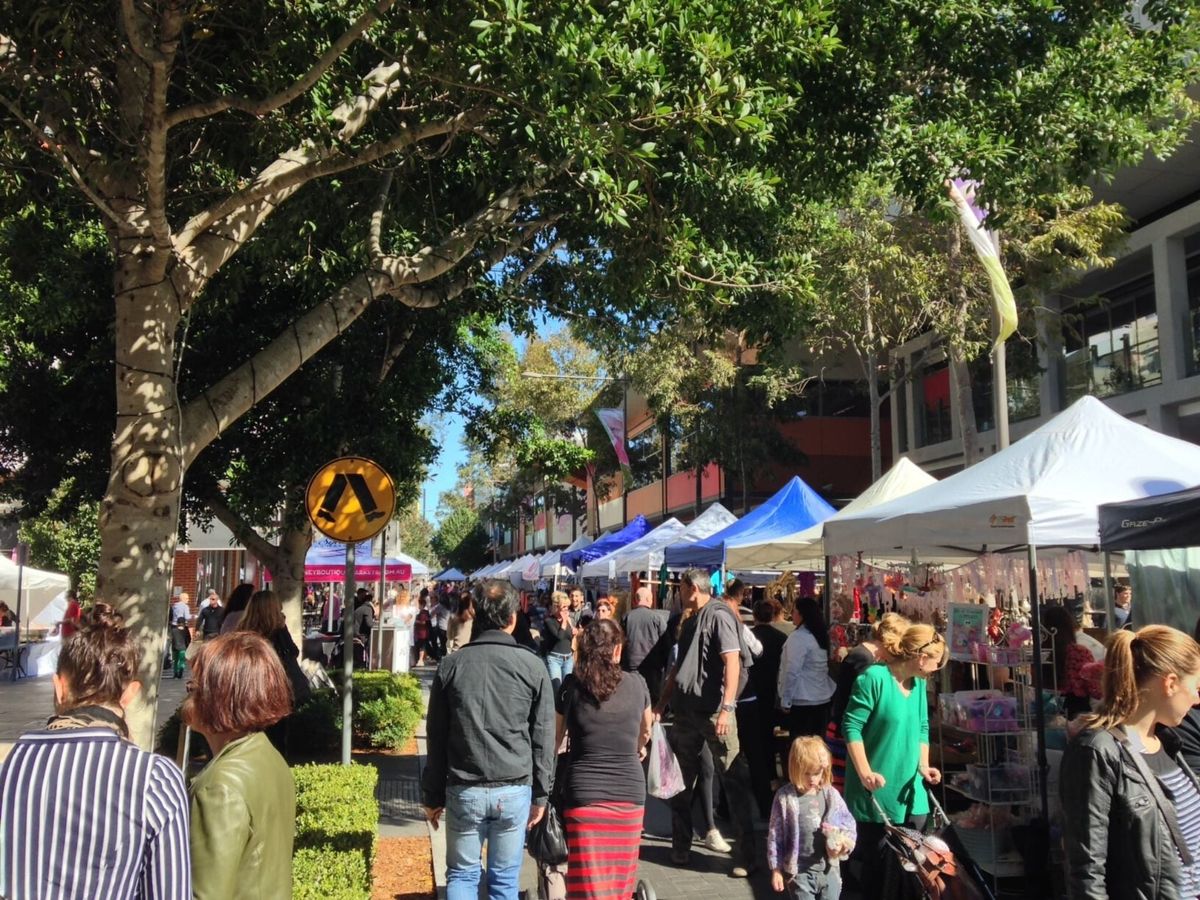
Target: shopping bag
column 663, row 778
column 547, row 840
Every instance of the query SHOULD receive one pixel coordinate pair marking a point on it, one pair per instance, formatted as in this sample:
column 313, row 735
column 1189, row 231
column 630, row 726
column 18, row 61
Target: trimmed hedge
column 337, row 819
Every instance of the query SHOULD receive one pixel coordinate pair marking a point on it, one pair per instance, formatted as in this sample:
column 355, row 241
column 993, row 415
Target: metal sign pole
column 347, row 654
column 378, row 663
column 21, row 548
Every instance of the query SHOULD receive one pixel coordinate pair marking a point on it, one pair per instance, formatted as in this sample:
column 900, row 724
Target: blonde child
column 811, row 828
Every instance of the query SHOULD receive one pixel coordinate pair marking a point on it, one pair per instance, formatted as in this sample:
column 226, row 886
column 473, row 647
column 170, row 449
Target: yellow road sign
column 350, row 499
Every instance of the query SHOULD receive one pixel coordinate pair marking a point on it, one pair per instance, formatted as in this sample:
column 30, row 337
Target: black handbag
column 547, row 841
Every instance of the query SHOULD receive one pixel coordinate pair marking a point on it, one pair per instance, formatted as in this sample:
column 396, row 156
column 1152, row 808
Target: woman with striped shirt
column 84, row 813
column 1131, row 805
column 605, row 714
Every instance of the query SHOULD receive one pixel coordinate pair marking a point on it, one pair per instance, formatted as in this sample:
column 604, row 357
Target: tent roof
column 709, row 522
column 807, row 545
column 666, row 533
column 605, row 545
column 1152, row 523
column 793, row 507
column 38, row 588
column 451, row 574
column 1043, row 491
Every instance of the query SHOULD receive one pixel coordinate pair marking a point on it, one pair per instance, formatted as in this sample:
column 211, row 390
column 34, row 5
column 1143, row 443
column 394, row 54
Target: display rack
column 1002, row 776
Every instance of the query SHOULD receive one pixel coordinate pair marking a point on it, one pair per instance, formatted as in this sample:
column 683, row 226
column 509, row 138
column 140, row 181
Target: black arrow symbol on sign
column 333, row 497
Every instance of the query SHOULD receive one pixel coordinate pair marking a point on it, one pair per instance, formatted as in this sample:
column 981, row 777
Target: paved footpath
column 27, row 703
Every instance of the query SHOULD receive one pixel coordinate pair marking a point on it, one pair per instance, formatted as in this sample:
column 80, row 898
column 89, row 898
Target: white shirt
column 441, row 616
column 804, row 671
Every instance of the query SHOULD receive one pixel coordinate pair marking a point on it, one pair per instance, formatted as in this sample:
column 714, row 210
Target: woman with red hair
column 244, row 801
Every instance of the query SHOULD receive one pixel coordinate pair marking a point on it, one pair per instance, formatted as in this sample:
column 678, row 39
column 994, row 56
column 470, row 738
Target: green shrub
column 337, row 819
column 387, row 721
column 329, row 875
column 315, row 728
column 166, row 742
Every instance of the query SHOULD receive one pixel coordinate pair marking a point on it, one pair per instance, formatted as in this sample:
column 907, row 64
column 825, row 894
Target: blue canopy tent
column 793, row 507
column 450, row 574
column 606, row 545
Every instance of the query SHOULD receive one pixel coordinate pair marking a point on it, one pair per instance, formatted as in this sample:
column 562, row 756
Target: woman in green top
column 886, row 726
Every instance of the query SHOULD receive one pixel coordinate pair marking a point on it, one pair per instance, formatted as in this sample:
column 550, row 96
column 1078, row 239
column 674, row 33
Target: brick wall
column 185, row 574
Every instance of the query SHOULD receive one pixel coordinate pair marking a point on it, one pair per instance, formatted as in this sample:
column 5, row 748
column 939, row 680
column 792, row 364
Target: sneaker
column 717, row 844
column 680, row 857
column 742, row 871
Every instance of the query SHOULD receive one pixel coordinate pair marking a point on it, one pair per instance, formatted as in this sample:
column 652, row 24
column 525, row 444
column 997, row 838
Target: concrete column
column 1164, row 419
column 1171, row 300
column 1051, row 387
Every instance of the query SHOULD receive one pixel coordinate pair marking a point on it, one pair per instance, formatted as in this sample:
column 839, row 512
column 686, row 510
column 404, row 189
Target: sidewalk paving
column 27, row 703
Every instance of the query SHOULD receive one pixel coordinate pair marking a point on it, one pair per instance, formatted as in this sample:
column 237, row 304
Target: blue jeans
column 498, row 815
column 560, row 665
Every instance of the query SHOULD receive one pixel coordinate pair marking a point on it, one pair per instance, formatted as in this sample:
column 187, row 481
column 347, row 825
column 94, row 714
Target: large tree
column 647, row 144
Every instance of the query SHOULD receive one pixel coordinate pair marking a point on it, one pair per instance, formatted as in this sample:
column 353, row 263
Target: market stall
column 792, row 508
column 451, row 574
column 1160, row 537
column 1041, row 494
column 606, row 566
column 606, row 545
column 806, row 546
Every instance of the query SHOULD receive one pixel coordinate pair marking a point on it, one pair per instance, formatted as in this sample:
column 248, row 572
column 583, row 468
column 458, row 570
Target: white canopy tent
column 1043, row 491
column 647, row 555
column 635, row 552
column 38, row 589
column 806, row 547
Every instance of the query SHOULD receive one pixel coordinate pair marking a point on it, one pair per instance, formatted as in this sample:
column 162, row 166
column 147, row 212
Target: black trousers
column 804, row 721
column 879, row 873
column 756, row 729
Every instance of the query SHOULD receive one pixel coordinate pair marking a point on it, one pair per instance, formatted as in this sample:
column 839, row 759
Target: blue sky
column 444, row 471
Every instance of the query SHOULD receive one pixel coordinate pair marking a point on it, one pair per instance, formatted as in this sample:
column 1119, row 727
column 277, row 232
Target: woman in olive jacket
column 244, row 801
column 1131, row 805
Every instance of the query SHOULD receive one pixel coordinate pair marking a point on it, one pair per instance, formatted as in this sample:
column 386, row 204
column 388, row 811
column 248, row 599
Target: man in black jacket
column 490, row 759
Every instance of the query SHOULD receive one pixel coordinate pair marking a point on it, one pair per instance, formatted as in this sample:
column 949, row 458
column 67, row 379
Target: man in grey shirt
column 702, row 689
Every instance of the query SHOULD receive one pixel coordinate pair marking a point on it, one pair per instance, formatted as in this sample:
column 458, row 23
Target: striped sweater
column 85, row 814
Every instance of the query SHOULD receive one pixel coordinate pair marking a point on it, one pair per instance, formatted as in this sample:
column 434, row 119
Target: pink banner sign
column 613, row 421
column 323, row 574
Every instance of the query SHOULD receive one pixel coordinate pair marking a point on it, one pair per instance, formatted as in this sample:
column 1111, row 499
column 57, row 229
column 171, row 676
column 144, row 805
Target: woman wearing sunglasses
column 886, row 726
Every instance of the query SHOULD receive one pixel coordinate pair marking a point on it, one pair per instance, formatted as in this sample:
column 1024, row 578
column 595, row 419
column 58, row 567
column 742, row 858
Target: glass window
column 933, row 399
column 645, row 457
column 1024, row 376
column 1191, row 249
column 1111, row 344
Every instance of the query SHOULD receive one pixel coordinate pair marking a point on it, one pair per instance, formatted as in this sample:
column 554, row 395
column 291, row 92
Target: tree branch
column 268, row 105
column 133, row 22
column 205, row 417
column 242, row 529
column 394, row 349
column 299, row 166
column 375, row 235
column 156, row 126
column 50, row 143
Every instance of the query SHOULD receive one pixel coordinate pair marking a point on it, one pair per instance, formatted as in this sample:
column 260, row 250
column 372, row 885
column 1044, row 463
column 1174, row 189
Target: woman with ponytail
column 1131, row 805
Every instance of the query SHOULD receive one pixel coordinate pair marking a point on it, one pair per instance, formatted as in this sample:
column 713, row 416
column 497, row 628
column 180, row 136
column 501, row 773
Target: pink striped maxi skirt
column 602, row 850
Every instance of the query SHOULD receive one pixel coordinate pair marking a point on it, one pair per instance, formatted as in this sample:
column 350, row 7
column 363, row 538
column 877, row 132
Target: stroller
column 940, row 871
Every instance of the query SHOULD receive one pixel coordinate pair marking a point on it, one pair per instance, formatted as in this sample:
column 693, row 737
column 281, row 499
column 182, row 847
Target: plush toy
column 1018, row 634
column 995, row 628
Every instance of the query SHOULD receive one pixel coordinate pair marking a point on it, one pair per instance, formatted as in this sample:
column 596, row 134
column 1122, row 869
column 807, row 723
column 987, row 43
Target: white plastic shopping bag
column 663, row 778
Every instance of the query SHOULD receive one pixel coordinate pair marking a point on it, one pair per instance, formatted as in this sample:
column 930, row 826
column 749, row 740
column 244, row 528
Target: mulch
column 403, row 870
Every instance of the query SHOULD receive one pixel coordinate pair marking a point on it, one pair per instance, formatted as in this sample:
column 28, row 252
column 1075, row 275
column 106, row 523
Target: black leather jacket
column 1118, row 837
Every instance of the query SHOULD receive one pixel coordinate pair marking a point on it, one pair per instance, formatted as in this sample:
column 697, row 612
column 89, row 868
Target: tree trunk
column 287, row 576
column 874, row 401
column 139, row 516
column 964, row 399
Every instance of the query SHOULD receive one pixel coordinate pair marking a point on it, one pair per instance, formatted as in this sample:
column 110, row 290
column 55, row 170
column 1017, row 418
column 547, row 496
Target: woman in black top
column 557, row 638
column 606, row 718
column 264, row 616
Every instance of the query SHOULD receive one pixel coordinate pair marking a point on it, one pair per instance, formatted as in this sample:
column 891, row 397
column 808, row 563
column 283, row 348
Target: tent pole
column 1110, row 606
column 22, row 549
column 1035, row 625
column 348, row 653
column 828, row 589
